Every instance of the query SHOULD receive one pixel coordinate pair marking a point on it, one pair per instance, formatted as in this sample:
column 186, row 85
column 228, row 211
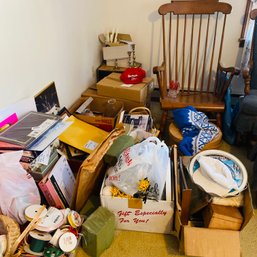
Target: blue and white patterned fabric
column 195, row 128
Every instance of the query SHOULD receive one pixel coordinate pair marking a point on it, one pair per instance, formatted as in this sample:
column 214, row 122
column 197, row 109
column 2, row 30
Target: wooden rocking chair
column 193, row 33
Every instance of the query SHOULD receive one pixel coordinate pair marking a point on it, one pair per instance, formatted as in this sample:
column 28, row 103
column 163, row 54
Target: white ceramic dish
column 237, row 168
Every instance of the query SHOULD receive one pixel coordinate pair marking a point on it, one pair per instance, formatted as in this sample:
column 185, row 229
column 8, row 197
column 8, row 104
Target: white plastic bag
column 148, row 159
column 18, row 189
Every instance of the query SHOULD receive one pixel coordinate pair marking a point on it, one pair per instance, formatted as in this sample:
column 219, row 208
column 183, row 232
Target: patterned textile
column 195, row 128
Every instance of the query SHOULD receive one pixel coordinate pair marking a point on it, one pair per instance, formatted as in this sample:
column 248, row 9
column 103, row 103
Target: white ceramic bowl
column 226, row 157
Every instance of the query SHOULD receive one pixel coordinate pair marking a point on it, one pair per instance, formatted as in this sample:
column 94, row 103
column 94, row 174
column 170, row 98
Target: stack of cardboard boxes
column 131, row 95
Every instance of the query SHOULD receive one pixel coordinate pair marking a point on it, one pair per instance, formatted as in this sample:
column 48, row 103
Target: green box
column 98, row 231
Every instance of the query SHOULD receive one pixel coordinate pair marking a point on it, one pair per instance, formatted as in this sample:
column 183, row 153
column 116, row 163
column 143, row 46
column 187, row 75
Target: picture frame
column 47, row 99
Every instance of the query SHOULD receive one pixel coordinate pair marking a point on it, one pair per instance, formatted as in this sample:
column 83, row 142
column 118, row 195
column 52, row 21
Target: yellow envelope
column 82, row 135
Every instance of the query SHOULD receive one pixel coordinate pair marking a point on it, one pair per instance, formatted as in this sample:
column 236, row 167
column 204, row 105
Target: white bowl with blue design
column 234, row 165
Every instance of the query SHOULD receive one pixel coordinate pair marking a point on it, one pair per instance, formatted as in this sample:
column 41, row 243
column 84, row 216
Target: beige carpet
column 139, row 244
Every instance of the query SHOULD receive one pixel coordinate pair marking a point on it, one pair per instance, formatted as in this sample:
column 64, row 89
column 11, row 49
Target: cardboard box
column 116, row 52
column 112, row 86
column 127, row 104
column 199, row 241
column 98, row 106
column 133, row 214
column 222, row 217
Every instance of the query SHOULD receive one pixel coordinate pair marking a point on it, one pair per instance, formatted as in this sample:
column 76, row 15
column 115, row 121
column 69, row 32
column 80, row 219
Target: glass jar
column 111, row 108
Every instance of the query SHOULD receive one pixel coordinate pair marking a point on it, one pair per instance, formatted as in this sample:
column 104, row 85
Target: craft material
column 31, row 211
column 74, row 219
column 37, row 242
column 51, row 221
column 52, row 252
column 55, row 238
column 26, row 230
column 98, row 231
column 68, row 242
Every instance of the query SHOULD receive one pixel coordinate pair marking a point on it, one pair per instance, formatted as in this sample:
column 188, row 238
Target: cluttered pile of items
column 53, row 159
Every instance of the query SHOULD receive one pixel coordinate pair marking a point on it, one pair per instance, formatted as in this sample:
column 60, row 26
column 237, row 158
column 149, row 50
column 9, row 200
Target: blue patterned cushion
column 195, row 128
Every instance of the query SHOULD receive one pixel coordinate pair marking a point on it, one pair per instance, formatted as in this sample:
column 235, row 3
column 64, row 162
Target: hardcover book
column 28, row 129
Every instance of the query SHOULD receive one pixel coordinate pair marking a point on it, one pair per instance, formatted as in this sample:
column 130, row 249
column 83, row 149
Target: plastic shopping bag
column 146, row 160
column 18, row 189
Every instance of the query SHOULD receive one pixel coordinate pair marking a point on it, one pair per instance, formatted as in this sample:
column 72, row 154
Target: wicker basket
column 144, row 110
column 12, row 230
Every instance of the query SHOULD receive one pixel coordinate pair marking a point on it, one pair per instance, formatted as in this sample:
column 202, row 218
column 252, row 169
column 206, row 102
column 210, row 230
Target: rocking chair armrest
column 247, row 79
column 157, row 69
column 230, row 72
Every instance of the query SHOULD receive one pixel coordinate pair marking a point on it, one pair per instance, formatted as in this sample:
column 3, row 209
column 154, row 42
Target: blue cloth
column 195, row 128
column 229, row 131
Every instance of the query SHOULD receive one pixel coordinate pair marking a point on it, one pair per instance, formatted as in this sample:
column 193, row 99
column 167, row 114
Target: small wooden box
column 222, row 217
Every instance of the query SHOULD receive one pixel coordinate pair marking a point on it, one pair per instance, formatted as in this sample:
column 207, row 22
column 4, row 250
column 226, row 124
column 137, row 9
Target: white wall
column 142, row 21
column 56, row 40
column 48, row 40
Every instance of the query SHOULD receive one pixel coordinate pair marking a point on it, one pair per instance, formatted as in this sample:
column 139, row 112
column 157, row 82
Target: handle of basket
column 141, row 108
column 28, row 228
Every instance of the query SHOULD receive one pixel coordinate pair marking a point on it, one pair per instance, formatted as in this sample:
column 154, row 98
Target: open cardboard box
column 134, row 214
column 97, row 105
column 198, row 241
column 128, row 104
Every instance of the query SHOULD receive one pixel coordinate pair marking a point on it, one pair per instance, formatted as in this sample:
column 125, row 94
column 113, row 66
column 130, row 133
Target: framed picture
column 47, row 100
column 63, row 112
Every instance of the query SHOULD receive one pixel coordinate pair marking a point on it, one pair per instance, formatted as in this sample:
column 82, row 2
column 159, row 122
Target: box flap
column 248, row 207
column 226, row 213
column 211, row 242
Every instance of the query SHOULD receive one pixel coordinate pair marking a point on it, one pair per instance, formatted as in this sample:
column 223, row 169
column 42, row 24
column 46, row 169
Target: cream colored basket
column 12, row 230
column 145, row 110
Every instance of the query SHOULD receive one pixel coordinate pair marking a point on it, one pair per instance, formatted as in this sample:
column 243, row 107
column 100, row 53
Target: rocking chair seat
column 201, row 101
column 176, row 137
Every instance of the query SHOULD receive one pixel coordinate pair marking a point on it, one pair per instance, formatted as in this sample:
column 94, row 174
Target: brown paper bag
column 91, row 168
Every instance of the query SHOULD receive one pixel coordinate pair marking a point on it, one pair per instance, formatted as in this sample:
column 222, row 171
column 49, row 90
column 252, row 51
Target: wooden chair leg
column 219, row 120
column 163, row 122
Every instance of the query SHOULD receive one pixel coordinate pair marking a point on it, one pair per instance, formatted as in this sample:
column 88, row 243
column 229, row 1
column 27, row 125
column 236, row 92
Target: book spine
column 59, row 191
column 50, row 194
column 42, row 186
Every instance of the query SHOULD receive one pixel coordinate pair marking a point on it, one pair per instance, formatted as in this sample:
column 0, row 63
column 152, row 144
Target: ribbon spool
column 56, row 236
column 74, row 219
column 52, row 252
column 53, row 219
column 31, row 211
column 37, row 242
column 68, row 242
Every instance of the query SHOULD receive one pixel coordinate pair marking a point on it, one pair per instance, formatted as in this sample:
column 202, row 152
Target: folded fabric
column 217, row 172
column 195, row 128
